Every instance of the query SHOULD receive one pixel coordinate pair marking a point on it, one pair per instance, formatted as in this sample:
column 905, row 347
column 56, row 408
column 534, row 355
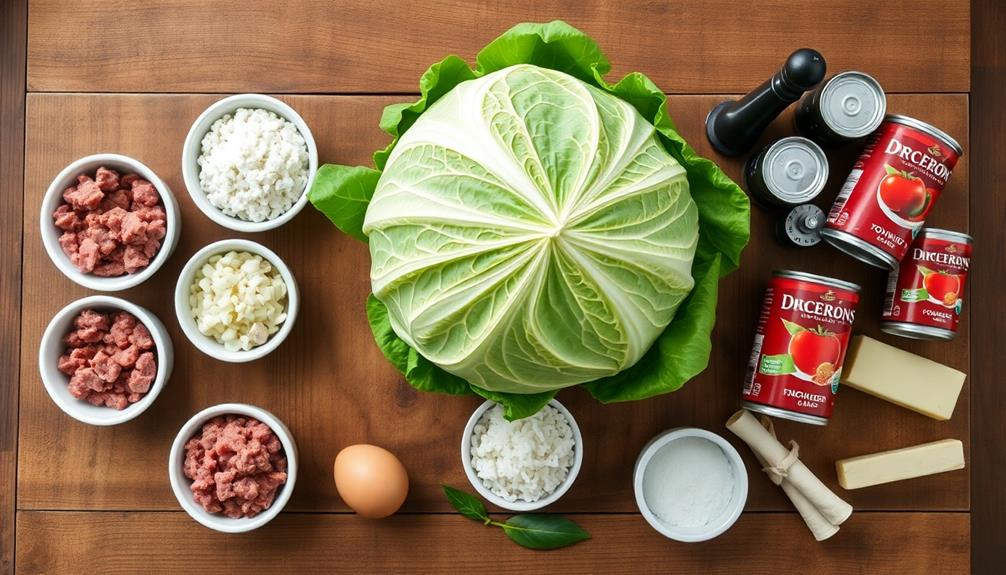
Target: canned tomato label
column 925, row 295
column 799, row 347
column 891, row 189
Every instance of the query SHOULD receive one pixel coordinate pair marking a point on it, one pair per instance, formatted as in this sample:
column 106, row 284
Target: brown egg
column 371, row 480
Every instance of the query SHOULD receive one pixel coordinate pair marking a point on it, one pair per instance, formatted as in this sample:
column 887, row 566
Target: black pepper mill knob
column 733, row 126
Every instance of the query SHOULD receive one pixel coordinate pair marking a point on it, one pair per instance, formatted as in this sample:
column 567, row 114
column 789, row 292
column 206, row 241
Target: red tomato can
column 890, row 190
column 799, row 346
column 926, row 294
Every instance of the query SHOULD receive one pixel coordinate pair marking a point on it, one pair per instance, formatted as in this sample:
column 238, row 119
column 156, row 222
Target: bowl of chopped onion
column 236, row 300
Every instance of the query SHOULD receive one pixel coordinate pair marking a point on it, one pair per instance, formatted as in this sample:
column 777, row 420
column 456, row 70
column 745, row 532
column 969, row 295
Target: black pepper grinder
column 733, row 126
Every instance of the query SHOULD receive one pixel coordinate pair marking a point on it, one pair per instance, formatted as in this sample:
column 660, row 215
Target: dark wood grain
column 381, row 46
column 169, row 543
column 988, row 214
column 13, row 38
column 331, row 385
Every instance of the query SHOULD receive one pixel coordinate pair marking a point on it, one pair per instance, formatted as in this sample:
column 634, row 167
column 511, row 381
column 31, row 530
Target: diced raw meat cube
column 106, row 368
column 143, row 373
column 66, row 219
column 87, row 195
column 110, row 269
column 140, row 337
column 87, row 255
column 134, row 259
column 107, row 180
column 68, row 241
column 127, row 357
column 145, row 193
column 134, row 230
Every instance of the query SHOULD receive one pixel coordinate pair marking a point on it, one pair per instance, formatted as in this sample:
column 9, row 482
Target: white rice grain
column 524, row 460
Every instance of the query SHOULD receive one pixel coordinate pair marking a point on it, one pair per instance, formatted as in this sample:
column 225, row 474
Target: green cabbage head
column 533, row 226
column 530, row 232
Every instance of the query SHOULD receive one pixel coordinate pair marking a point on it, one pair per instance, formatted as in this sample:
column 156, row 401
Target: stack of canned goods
column 791, row 172
column 878, row 217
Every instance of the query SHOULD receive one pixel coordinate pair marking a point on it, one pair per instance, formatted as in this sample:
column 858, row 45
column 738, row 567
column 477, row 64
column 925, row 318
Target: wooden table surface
column 130, row 77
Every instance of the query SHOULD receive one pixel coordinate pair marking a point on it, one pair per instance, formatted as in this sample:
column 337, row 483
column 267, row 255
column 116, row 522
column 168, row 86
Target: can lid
column 927, row 128
column 795, row 170
column 853, row 104
column 951, row 235
column 824, row 280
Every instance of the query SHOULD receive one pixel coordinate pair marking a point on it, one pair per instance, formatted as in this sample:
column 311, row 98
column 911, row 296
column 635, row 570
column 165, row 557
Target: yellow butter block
column 903, row 378
column 898, row 464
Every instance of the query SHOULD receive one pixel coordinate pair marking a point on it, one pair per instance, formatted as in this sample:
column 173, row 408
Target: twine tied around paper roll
column 821, row 509
column 779, row 472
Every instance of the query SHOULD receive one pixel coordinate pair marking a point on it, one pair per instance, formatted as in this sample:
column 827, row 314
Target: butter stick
column 902, row 378
column 899, row 464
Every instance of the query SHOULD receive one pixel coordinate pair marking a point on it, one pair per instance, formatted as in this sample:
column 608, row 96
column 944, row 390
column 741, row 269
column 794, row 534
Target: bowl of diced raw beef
column 103, row 360
column 109, row 222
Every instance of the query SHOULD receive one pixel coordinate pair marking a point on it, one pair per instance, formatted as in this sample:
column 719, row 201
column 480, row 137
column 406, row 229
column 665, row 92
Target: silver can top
column 927, row 128
column 853, row 104
column 949, row 235
column 814, row 278
column 795, row 170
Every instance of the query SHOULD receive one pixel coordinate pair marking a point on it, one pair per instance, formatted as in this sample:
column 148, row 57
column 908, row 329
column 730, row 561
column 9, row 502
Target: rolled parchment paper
column 820, row 527
column 831, row 506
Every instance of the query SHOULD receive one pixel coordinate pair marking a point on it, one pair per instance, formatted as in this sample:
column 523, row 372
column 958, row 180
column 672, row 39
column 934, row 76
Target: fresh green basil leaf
column 540, row 531
column 466, row 504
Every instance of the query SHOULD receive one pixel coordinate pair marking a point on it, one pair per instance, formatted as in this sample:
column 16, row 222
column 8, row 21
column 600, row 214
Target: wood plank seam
column 13, row 74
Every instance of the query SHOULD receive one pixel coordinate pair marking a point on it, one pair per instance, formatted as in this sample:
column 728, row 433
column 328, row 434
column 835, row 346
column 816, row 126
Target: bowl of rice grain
column 248, row 161
column 525, row 464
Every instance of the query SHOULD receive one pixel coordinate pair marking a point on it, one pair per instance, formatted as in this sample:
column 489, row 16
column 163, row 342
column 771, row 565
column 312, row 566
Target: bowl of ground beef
column 104, row 360
column 108, row 222
column 233, row 467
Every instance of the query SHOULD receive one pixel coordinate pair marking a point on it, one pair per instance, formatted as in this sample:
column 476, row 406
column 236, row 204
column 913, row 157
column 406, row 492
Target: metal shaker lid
column 853, row 104
column 795, row 170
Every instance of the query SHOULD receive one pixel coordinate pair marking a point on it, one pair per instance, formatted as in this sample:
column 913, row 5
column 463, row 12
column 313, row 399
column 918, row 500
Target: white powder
column 254, row 165
column 688, row 483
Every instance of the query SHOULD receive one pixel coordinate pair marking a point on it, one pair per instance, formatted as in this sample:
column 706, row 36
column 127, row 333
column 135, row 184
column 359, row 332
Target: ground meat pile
column 236, row 465
column 110, row 359
column 111, row 225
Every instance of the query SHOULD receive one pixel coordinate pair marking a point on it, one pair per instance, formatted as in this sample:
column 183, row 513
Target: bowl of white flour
column 690, row 484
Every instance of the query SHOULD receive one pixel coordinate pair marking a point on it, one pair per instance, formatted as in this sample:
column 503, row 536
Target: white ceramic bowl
column 56, row 382
column 466, row 461
column 54, row 197
column 180, row 484
column 193, row 148
column 207, row 344
column 719, row 524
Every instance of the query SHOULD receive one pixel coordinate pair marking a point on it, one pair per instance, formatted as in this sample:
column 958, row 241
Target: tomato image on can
column 891, row 189
column 926, row 294
column 799, row 347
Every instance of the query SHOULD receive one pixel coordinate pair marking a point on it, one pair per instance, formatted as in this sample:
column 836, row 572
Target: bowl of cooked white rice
column 248, row 162
column 525, row 464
